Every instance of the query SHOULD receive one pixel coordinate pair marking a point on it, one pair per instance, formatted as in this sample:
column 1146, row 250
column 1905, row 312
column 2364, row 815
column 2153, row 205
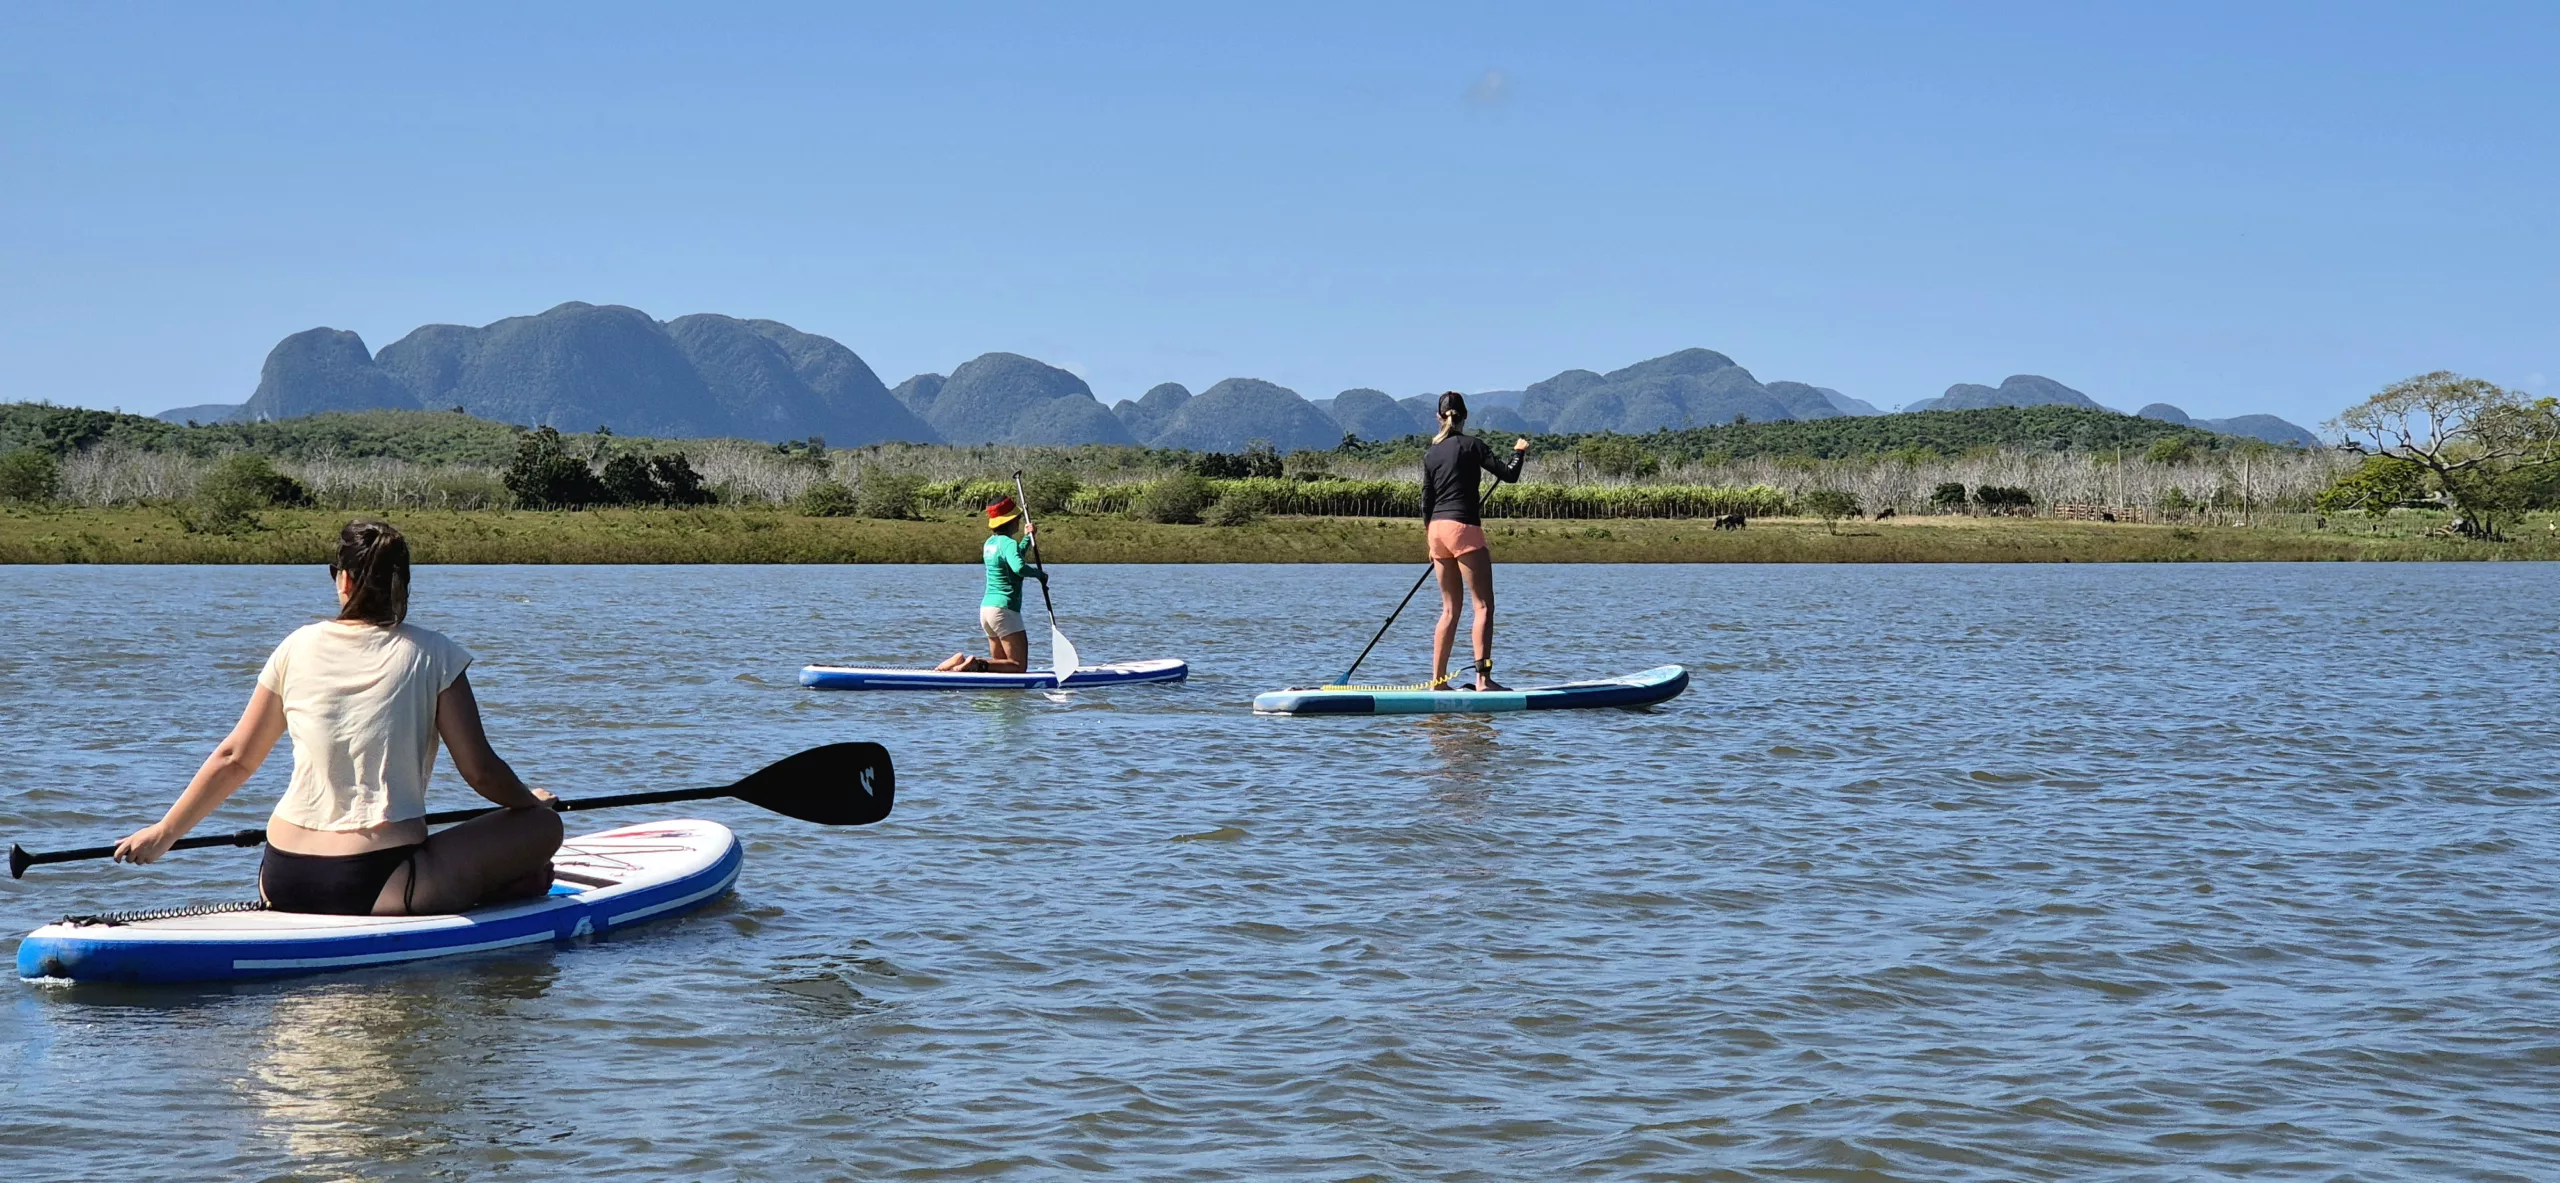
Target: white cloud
column 1491, row 89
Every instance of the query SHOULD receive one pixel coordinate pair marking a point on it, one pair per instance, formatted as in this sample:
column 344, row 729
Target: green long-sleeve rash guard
column 1005, row 568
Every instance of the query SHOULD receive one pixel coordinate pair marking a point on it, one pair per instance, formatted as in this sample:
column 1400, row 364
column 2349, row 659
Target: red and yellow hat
column 1004, row 510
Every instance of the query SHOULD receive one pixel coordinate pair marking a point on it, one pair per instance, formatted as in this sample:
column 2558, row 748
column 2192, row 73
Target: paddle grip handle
column 20, row 860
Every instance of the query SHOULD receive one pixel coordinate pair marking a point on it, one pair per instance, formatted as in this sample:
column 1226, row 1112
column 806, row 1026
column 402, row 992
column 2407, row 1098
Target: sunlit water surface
column 1978, row 873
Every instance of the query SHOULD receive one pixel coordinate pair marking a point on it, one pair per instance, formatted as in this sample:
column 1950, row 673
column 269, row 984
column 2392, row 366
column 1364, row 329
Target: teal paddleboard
column 1634, row 690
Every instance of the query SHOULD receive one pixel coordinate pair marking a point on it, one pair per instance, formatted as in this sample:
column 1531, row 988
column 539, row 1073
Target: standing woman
column 365, row 697
column 1453, row 510
column 1000, row 610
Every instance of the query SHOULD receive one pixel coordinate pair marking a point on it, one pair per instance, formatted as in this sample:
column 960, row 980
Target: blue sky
column 2234, row 208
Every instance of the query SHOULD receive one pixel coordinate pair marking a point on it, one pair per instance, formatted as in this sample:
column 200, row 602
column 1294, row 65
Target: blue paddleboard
column 603, row 882
column 857, row 677
column 1634, row 690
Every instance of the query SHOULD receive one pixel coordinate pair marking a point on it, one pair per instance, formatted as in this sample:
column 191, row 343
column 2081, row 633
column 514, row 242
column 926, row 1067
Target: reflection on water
column 1947, row 873
column 357, row 1075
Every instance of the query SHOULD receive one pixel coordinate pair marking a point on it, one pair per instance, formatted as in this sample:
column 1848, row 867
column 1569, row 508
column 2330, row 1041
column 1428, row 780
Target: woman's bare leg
column 1012, row 655
column 1479, row 568
column 493, row 858
column 1445, row 634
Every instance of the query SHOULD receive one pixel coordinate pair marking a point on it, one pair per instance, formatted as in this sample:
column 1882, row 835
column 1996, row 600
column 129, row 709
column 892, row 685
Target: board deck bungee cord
column 1118, row 673
column 602, row 882
column 1658, row 684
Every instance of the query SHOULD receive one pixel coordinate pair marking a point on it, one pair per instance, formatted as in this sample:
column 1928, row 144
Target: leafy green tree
column 30, row 475
column 1831, row 505
column 2169, row 449
column 1948, row 497
column 1616, row 456
column 546, row 476
column 2003, row 499
column 2477, row 441
column 627, row 482
column 228, row 497
column 2374, row 486
column 678, row 483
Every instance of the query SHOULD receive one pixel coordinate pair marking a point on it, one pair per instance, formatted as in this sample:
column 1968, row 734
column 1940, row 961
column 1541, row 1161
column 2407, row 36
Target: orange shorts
column 1451, row 539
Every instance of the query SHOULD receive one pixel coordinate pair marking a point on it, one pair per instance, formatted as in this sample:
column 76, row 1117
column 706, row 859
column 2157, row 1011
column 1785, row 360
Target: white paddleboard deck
column 605, row 881
column 864, row 677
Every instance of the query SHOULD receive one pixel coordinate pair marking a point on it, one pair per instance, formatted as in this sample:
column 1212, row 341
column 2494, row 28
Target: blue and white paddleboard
column 856, row 677
column 1634, row 690
column 604, row 882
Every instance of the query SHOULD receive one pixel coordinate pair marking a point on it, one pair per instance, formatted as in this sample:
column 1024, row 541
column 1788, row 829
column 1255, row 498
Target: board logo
column 866, row 784
column 586, row 928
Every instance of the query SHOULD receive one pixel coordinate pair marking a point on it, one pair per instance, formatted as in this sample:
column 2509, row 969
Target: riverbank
column 731, row 535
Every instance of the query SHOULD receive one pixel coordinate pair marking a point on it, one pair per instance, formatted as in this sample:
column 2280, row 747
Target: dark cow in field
column 1884, row 513
column 1731, row 521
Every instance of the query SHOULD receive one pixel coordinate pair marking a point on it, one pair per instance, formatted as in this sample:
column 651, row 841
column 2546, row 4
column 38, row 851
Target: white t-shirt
column 360, row 704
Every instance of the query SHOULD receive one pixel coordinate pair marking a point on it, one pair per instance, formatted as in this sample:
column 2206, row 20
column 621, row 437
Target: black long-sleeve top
column 1451, row 471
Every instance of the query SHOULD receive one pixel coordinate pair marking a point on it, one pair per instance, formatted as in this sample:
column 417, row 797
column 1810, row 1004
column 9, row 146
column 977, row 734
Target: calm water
column 1936, row 873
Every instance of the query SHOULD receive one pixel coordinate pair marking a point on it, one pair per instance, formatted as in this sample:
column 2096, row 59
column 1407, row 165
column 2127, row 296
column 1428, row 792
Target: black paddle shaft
column 1022, row 500
column 811, row 786
column 1382, row 629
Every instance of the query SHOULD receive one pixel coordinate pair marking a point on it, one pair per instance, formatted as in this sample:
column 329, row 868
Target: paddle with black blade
column 841, row 784
column 1062, row 655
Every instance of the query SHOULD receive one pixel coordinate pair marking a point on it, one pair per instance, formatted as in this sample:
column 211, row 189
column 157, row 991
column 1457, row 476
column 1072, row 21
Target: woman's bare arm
column 232, row 763
column 458, row 723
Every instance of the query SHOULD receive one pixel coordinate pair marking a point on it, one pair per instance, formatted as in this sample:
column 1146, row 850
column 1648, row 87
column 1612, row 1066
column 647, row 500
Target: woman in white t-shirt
column 365, row 697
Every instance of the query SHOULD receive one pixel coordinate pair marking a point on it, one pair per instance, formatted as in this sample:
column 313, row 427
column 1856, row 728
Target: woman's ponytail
column 375, row 559
column 1453, row 415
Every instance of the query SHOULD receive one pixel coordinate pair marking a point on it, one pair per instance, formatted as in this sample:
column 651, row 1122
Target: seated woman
column 365, row 697
column 1000, row 611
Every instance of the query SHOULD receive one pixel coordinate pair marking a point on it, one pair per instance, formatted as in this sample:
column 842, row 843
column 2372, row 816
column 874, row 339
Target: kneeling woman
column 1000, row 612
column 365, row 697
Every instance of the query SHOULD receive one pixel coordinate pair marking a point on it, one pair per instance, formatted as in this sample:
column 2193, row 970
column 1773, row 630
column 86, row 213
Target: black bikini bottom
column 334, row 884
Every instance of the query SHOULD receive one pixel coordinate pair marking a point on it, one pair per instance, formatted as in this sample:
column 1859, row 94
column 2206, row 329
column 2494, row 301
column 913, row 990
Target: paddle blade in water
column 1062, row 654
column 841, row 784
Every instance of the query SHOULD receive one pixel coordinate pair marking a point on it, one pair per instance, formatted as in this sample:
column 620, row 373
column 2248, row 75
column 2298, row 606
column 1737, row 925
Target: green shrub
column 1050, row 490
column 890, row 496
column 1831, row 505
column 1177, row 499
column 1258, row 460
column 1234, row 509
column 2003, row 499
column 546, row 476
column 31, row 475
column 228, row 497
column 1949, row 497
column 828, row 499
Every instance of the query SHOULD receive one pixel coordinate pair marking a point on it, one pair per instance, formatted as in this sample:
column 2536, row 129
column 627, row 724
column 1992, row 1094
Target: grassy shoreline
column 735, row 535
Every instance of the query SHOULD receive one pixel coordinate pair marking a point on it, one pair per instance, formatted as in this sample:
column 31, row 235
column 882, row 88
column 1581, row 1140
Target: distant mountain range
column 579, row 366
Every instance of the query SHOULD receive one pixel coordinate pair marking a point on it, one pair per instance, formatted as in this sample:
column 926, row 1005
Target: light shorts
column 1450, row 539
column 1000, row 622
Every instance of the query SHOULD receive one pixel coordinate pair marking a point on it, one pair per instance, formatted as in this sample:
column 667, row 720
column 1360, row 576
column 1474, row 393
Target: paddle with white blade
column 1062, row 653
